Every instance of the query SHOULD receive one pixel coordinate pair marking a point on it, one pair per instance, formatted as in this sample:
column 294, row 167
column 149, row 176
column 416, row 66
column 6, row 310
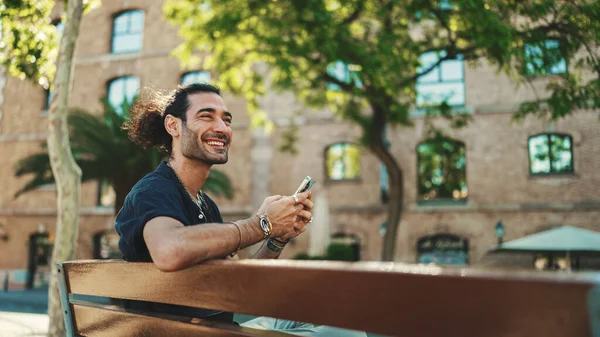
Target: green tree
column 381, row 41
column 104, row 152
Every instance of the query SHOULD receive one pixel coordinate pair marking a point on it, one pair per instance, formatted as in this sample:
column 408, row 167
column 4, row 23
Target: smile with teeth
column 216, row 143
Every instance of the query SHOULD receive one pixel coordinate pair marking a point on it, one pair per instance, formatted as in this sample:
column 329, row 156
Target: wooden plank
column 107, row 322
column 386, row 298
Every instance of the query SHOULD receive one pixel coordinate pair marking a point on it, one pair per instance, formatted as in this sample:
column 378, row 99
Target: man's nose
column 220, row 126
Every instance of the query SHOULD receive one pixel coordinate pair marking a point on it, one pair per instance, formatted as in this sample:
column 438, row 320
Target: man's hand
column 302, row 222
column 288, row 218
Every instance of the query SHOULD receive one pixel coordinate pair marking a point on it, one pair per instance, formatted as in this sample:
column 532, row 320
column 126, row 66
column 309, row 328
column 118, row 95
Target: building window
column 122, row 90
column 444, row 83
column 106, row 194
column 60, row 27
column 443, row 249
column 550, row 153
column 195, row 77
column 544, row 58
column 47, row 99
column 442, row 170
column 342, row 161
column 128, row 29
column 384, row 189
column 106, row 246
column 344, row 73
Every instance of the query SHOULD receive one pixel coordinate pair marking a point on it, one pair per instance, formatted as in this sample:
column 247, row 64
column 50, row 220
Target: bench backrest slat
column 96, row 322
column 383, row 298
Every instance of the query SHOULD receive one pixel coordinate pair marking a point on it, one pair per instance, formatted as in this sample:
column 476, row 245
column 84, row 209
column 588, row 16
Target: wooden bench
column 383, row 298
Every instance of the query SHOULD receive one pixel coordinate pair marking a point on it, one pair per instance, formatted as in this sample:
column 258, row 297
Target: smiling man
column 167, row 219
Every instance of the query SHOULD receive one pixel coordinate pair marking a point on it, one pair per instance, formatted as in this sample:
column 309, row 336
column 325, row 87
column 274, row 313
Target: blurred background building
column 492, row 180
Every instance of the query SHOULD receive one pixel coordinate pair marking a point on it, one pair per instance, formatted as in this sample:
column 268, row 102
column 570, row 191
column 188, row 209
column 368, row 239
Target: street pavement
column 23, row 313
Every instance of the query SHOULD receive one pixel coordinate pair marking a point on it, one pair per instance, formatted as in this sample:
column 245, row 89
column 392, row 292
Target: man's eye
column 227, row 120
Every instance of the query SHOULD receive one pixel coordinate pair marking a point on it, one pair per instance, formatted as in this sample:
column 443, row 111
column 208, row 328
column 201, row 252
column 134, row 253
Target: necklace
column 199, row 196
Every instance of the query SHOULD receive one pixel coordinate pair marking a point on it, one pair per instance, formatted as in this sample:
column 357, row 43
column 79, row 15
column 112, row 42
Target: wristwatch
column 265, row 225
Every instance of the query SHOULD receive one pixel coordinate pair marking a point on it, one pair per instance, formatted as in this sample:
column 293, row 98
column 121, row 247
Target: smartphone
column 305, row 185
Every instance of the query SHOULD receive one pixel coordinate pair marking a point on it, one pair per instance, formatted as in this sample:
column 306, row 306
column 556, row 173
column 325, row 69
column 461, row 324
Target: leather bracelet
column 273, row 247
column 240, row 243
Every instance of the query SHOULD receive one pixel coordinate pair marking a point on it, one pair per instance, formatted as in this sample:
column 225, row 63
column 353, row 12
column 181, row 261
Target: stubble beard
column 192, row 148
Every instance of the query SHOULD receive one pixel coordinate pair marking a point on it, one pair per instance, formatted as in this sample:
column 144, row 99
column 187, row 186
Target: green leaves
column 29, row 43
column 292, row 42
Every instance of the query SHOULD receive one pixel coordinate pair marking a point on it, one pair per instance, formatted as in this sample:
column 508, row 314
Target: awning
column 560, row 239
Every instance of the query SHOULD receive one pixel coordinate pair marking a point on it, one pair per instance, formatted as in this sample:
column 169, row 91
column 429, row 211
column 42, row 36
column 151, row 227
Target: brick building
column 531, row 176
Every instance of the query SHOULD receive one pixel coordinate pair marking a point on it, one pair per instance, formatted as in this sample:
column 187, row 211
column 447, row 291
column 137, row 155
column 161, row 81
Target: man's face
column 206, row 134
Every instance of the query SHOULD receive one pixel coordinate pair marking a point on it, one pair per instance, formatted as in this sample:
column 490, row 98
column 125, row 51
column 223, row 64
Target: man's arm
column 174, row 246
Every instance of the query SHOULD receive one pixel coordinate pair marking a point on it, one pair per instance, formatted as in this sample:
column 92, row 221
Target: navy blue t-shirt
column 158, row 194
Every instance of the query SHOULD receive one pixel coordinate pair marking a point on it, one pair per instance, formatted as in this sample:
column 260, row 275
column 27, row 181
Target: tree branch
column 355, row 14
column 449, row 55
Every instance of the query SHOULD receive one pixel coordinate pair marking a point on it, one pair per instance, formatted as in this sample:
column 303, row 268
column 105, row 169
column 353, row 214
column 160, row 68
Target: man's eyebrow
column 211, row 110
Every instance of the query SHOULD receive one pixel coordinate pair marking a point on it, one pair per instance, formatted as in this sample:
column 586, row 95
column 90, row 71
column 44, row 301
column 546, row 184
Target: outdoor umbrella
column 568, row 240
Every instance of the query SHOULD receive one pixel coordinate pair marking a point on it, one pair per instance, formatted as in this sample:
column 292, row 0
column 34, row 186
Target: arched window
column 550, row 153
column 444, row 249
column 442, row 170
column 195, row 77
column 122, row 89
column 128, row 32
column 342, row 161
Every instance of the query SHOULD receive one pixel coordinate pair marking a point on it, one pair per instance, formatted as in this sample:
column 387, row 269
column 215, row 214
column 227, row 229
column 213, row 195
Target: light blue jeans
column 300, row 329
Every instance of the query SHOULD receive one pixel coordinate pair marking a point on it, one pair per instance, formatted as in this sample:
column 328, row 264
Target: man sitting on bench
column 168, row 220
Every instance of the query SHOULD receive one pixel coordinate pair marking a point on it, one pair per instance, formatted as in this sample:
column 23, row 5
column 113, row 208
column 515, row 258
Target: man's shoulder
column 154, row 182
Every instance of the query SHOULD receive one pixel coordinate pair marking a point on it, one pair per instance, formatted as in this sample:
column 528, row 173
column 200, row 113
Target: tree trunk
column 67, row 174
column 395, row 181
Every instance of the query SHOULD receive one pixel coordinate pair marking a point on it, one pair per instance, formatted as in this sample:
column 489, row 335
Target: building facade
column 530, row 176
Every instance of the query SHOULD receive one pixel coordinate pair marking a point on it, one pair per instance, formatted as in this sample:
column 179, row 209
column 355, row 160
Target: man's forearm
column 188, row 245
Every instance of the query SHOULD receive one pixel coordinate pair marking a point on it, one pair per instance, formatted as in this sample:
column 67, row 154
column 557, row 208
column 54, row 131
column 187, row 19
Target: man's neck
column 192, row 173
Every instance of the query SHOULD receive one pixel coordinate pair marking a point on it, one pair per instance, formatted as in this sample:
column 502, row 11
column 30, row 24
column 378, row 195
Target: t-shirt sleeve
column 141, row 206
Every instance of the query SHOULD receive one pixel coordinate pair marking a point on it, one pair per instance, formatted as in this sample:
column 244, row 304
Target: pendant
column 201, row 216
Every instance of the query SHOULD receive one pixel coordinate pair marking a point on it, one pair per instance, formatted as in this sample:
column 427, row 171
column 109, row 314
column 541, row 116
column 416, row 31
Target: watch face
column 263, row 224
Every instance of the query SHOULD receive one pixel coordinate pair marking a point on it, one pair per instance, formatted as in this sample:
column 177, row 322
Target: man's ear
column 172, row 125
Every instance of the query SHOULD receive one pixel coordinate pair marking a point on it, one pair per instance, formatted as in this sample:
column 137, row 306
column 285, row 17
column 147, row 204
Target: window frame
column 113, row 31
column 101, row 184
column 439, row 200
column 325, row 152
column 546, row 67
column 551, row 173
column 442, row 81
column 194, row 71
column 111, row 81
